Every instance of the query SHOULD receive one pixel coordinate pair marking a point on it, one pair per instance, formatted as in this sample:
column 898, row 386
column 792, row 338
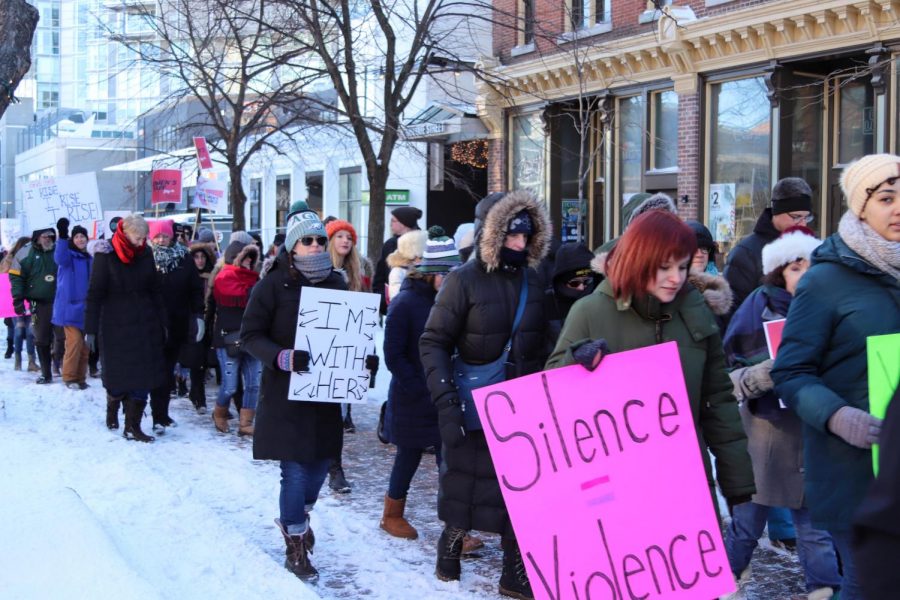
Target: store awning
column 183, row 158
column 446, row 122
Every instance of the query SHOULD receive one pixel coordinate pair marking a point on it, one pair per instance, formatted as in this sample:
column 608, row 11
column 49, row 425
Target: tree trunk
column 237, row 198
column 377, row 184
column 18, row 20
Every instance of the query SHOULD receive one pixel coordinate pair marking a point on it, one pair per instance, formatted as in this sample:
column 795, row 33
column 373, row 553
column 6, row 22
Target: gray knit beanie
column 301, row 222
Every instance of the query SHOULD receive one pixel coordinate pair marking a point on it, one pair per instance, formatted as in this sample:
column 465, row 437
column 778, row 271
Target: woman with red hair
column 644, row 301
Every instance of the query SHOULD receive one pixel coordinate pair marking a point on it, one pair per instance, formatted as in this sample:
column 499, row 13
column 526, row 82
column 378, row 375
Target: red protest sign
column 166, row 186
column 203, row 157
column 774, row 330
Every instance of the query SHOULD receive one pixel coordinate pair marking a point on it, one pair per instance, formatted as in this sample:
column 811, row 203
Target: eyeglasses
column 580, row 282
column 319, row 239
column 702, row 250
column 801, row 219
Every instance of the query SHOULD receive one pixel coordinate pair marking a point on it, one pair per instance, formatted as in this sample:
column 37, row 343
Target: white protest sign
column 721, row 211
column 210, row 194
column 74, row 197
column 10, row 231
column 337, row 328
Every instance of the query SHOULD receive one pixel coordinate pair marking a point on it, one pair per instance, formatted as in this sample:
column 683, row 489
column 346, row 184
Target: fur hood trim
column 209, row 249
column 715, row 290
column 410, row 248
column 490, row 236
column 101, row 246
column 248, row 250
column 269, row 263
column 598, row 263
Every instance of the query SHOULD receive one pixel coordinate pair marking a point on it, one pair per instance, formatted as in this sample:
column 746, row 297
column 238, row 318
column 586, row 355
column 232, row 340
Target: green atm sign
column 391, row 197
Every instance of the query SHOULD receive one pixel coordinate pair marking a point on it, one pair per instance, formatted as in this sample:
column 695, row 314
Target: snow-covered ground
column 87, row 514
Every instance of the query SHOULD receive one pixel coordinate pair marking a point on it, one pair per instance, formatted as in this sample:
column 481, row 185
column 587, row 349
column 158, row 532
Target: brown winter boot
column 471, row 543
column 220, row 418
column 393, row 521
column 134, row 412
column 246, row 422
column 296, row 554
column 33, row 366
column 112, row 411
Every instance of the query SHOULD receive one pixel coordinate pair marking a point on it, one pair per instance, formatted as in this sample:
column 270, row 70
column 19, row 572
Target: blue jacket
column 822, row 366
column 411, row 418
column 72, row 279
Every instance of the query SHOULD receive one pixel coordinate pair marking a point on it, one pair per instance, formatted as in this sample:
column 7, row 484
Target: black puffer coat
column 473, row 315
column 286, row 429
column 744, row 267
column 124, row 308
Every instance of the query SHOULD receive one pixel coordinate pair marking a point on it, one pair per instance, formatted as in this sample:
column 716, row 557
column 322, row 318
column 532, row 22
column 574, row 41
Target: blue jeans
column 23, row 333
column 850, row 589
column 781, row 526
column 245, row 366
column 814, row 546
column 300, row 485
column 406, row 463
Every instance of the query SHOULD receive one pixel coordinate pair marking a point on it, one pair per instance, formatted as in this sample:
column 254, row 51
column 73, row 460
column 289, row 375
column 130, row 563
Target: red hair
column 651, row 239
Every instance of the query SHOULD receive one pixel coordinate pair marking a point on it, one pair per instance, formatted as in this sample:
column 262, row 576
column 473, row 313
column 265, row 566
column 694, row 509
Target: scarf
column 168, row 258
column 882, row 254
column 315, row 267
column 125, row 250
column 232, row 286
column 513, row 258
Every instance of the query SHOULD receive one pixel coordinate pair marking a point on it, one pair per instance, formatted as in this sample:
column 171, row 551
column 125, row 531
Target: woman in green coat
column 644, row 302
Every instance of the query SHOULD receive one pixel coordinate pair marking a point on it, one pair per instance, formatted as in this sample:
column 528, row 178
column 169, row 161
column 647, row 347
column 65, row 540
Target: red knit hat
column 338, row 225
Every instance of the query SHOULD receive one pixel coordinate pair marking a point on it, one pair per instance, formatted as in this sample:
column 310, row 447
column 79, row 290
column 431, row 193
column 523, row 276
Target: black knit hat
column 408, row 215
column 791, row 194
column 704, row 237
column 79, row 229
column 573, row 259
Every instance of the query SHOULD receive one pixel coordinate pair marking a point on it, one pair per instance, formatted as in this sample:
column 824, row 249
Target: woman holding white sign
column 304, row 436
column 644, row 301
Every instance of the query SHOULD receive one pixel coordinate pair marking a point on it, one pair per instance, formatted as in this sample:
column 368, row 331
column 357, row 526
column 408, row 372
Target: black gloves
column 372, row 363
column 450, row 423
column 62, row 228
column 296, row 361
column 589, row 354
column 19, row 306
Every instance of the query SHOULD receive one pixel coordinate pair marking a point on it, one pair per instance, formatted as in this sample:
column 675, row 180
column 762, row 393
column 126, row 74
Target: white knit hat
column 795, row 243
column 861, row 177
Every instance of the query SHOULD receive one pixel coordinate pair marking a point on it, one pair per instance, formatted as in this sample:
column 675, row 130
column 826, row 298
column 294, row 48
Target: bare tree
column 246, row 83
column 18, row 20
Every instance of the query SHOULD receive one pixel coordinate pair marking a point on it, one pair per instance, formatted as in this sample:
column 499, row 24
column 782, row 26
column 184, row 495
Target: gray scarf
column 315, row 267
column 882, row 254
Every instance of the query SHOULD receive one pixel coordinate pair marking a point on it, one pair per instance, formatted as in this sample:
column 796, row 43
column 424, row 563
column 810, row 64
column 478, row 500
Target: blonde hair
column 350, row 264
column 135, row 224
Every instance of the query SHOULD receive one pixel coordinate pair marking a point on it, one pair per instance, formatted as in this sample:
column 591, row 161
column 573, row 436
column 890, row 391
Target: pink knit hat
column 158, row 226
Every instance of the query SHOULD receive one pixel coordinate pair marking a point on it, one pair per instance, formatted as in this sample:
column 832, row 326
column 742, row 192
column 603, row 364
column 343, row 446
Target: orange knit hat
column 338, row 225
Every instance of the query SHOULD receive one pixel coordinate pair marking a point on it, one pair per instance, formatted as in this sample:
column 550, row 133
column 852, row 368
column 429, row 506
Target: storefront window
column 740, row 131
column 528, row 154
column 665, row 130
column 856, row 127
column 282, row 198
column 350, row 196
column 631, row 148
column 255, row 200
column 802, row 121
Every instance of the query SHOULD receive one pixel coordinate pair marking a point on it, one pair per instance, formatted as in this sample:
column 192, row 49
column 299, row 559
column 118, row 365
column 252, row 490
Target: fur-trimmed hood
column 492, row 216
column 410, row 248
column 209, row 249
column 715, row 291
column 250, row 250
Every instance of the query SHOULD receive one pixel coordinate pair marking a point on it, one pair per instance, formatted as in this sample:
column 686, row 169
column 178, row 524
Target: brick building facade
column 710, row 101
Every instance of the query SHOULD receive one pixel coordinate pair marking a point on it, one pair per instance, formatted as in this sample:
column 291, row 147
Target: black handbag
column 232, row 341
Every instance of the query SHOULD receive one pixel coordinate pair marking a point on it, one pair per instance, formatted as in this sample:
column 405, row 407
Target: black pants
column 46, row 333
column 159, row 397
column 198, row 386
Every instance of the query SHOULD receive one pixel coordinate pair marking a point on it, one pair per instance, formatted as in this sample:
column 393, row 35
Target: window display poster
column 571, row 210
column 721, row 211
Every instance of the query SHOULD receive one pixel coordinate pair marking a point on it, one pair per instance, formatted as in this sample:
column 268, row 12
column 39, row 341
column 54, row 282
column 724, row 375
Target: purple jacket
column 71, row 285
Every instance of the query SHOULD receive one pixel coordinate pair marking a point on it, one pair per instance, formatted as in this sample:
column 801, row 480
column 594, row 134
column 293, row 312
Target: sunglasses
column 580, row 282
column 319, row 239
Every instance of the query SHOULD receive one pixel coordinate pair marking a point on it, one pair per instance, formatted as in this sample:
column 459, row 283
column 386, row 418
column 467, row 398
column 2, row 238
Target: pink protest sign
column 774, row 330
column 602, row 476
column 6, row 301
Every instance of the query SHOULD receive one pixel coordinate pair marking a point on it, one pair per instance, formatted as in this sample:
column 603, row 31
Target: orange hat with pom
column 338, row 225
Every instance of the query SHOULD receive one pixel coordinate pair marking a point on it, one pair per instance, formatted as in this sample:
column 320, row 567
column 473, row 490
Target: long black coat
column 744, row 267
column 286, row 429
column 182, row 292
column 411, row 417
column 125, row 307
column 473, row 315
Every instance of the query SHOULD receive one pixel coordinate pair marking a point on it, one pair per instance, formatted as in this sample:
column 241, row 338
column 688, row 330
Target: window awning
column 447, row 122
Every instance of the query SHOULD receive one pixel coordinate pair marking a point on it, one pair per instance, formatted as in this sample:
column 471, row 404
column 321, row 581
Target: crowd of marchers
column 157, row 311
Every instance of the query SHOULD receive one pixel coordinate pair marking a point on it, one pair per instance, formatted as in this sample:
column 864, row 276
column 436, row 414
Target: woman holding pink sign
column 851, row 292
column 774, row 432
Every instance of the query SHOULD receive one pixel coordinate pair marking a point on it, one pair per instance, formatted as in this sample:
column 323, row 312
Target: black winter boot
column 349, row 426
column 9, row 348
column 43, row 353
column 134, row 412
column 514, row 579
column 336, row 480
column 112, row 411
column 296, row 552
column 448, row 552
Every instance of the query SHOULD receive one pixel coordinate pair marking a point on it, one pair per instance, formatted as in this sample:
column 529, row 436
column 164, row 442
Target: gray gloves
column 856, row 427
column 589, row 354
column 752, row 382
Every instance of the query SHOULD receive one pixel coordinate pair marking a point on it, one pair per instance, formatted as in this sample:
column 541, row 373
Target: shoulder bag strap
column 520, row 310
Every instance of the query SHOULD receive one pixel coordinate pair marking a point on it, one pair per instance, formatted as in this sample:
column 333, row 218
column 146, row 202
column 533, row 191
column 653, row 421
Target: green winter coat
column 687, row 321
column 822, row 366
column 35, row 277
